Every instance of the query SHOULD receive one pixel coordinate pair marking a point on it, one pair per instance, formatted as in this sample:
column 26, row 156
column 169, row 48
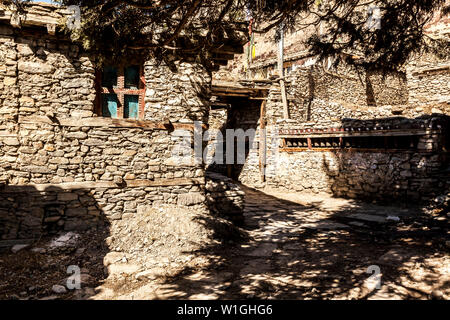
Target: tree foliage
column 191, row 28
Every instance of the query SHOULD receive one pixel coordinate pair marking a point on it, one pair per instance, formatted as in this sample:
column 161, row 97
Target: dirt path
column 311, row 247
column 298, row 246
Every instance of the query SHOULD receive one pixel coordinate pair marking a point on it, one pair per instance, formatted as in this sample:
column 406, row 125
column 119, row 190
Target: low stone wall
column 28, row 212
column 364, row 175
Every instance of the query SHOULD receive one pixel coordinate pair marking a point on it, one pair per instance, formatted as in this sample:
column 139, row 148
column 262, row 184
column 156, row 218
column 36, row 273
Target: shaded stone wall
column 62, row 165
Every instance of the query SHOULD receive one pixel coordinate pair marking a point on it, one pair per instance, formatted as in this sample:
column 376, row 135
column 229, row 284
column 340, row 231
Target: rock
column 35, row 67
column 368, row 217
column 437, row 294
column 49, row 298
column 19, row 247
column 68, row 239
column 392, row 257
column 264, row 250
column 112, row 257
column 147, row 274
column 325, row 225
column 11, row 141
column 357, row 224
column 80, row 251
column 89, row 291
column 189, row 199
column 125, row 268
column 393, row 218
column 76, row 135
column 59, row 289
column 38, row 250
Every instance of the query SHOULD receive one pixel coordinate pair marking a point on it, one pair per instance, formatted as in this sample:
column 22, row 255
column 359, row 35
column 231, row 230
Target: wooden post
column 281, row 72
column 262, row 142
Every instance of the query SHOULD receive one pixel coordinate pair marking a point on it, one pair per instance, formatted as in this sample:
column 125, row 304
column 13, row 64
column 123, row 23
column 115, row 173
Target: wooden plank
column 165, row 182
column 227, row 94
column 216, row 88
column 106, row 122
column 67, row 186
column 59, row 186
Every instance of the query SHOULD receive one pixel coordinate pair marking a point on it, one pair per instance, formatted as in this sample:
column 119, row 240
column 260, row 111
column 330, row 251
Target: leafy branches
column 191, row 29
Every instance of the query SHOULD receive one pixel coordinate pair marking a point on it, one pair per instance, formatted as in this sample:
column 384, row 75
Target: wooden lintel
column 51, row 28
column 165, row 182
column 87, row 185
column 229, row 94
column 106, row 122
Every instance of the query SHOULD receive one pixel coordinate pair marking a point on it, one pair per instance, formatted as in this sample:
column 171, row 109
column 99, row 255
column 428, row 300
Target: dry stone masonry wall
column 322, row 105
column 61, row 167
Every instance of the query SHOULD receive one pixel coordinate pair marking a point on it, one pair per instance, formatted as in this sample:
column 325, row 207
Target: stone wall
column 411, row 175
column 61, row 166
column 429, row 82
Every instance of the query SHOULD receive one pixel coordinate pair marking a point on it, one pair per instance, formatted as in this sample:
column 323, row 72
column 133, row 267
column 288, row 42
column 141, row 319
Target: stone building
column 81, row 146
column 350, row 132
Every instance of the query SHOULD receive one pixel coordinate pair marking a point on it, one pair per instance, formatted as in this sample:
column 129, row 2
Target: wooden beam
column 229, row 94
column 105, row 122
column 216, row 88
column 67, row 186
column 165, row 182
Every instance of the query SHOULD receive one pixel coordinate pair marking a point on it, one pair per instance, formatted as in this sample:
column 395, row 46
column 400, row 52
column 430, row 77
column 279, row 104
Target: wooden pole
column 262, row 141
column 281, row 72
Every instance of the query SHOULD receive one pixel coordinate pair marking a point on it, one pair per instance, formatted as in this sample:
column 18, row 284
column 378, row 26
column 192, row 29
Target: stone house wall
column 429, row 82
column 61, row 166
column 411, row 175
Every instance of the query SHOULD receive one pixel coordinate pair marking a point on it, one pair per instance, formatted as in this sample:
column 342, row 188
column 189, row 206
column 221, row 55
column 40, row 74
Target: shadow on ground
column 39, row 221
column 321, row 249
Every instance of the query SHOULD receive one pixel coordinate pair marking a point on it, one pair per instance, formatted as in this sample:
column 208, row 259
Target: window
column 120, row 92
